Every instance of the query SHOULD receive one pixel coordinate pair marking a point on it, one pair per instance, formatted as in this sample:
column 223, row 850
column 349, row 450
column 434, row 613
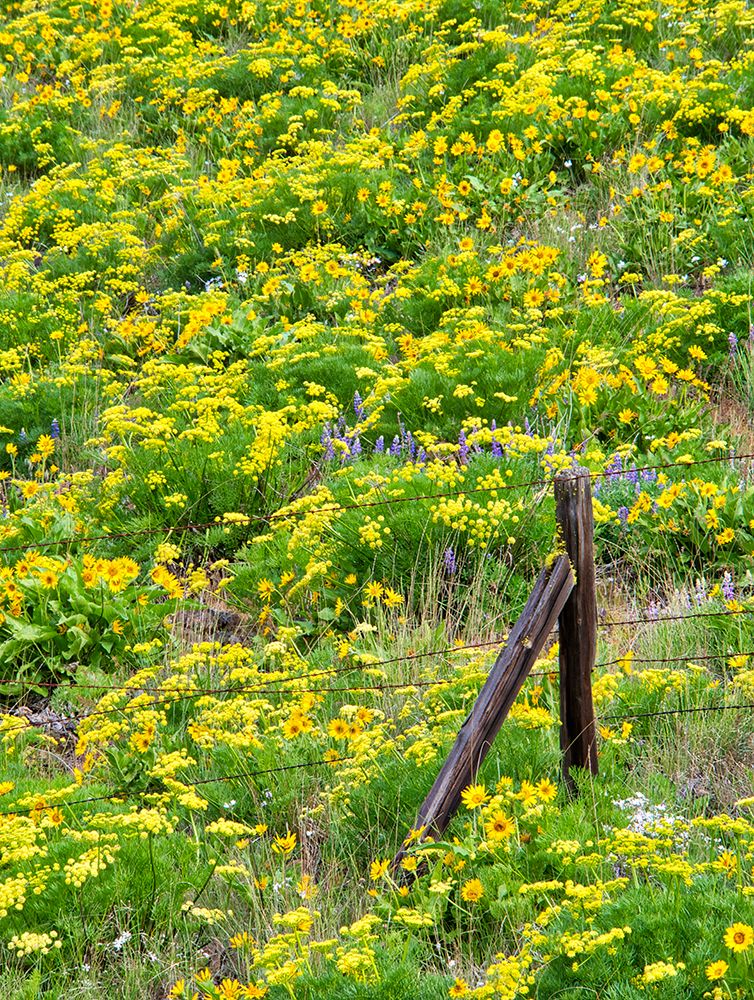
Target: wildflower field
column 302, row 307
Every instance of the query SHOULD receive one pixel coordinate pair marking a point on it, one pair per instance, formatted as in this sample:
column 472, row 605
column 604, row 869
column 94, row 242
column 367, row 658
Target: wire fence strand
column 659, row 713
column 237, row 776
column 651, row 620
column 336, row 508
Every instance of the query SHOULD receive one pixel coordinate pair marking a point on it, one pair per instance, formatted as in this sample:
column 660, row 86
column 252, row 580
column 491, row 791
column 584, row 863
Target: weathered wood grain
column 503, row 684
column 577, row 624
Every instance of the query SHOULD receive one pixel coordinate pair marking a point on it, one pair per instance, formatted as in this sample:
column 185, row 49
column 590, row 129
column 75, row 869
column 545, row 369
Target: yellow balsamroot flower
column 284, row 844
column 472, row 891
column 716, row 970
column 527, row 794
column 546, row 790
column 499, row 827
column 474, row 796
column 338, row 729
column 378, row 869
column 739, row 937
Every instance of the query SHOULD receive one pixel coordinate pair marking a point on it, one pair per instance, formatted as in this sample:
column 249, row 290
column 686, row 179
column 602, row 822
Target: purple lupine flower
column 527, row 427
column 615, row 468
column 653, row 611
column 23, row 436
column 732, row 344
column 729, row 591
column 379, row 445
column 358, row 407
column 463, row 448
column 623, row 514
column 326, row 441
column 421, row 456
column 649, row 475
column 355, row 445
column 449, row 562
column 411, row 446
column 402, row 429
column 701, row 592
column 395, row 447
column 54, row 429
column 632, row 474
column 497, row 448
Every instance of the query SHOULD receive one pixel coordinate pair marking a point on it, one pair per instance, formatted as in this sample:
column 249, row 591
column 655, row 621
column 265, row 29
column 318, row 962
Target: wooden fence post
column 577, row 624
column 500, row 690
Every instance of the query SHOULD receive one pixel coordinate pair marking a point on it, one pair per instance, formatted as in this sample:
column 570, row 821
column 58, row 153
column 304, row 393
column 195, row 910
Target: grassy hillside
column 302, row 307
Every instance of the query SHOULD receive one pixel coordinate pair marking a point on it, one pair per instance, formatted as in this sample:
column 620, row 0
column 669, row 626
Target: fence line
column 673, row 659
column 273, row 687
column 330, row 671
column 676, row 618
column 200, row 781
column 676, row 711
column 336, row 508
column 447, row 650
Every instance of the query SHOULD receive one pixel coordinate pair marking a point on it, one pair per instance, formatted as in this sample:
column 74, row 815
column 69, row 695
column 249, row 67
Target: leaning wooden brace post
column 500, row 690
column 577, row 624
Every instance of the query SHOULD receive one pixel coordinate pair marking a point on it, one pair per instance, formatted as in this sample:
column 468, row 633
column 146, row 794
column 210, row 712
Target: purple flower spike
column 449, row 562
column 379, row 445
column 463, row 448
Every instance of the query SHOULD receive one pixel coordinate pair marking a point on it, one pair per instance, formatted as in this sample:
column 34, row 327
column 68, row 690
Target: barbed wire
column 676, row 711
column 329, row 671
column 629, row 658
column 24, row 722
column 264, row 688
column 676, row 618
column 336, row 508
column 237, row 776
